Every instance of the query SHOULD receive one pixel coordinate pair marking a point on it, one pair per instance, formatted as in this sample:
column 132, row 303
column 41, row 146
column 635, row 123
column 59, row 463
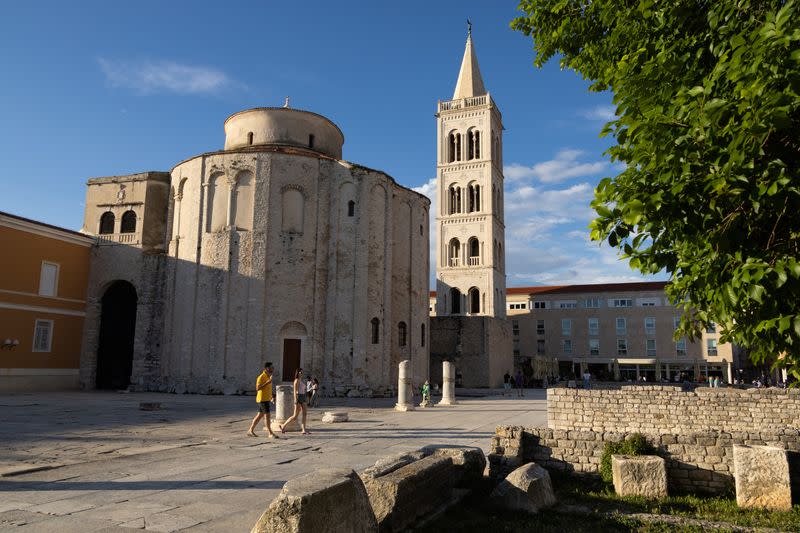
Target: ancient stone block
column 328, row 501
column 528, row 488
column 640, row 475
column 762, row 477
column 469, row 462
column 333, row 417
column 410, row 492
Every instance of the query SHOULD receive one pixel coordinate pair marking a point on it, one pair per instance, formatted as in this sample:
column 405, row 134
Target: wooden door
column 291, row 358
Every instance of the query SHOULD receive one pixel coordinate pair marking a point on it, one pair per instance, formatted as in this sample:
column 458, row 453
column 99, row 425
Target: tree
column 708, row 127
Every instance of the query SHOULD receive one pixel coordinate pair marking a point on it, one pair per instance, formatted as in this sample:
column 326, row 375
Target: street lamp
column 9, row 344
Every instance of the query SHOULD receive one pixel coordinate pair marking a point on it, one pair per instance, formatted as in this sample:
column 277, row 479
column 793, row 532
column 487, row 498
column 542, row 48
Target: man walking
column 263, row 399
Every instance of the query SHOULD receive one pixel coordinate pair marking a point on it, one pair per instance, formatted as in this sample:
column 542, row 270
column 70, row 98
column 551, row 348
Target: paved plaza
column 94, row 461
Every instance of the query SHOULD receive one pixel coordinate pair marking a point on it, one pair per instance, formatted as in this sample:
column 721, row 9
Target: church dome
column 283, row 126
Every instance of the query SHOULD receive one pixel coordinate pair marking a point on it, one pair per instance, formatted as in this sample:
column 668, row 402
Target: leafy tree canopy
column 708, row 126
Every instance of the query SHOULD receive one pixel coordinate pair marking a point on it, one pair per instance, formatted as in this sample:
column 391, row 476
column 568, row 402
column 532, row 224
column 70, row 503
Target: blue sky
column 106, row 88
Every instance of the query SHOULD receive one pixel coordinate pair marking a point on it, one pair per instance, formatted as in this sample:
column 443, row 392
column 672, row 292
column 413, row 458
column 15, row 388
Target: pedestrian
column 518, row 381
column 587, row 379
column 300, row 403
column 314, row 401
column 263, row 398
column 309, row 383
column 507, row 384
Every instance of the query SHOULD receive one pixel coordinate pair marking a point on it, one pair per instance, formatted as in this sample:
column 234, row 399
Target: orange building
column 43, row 278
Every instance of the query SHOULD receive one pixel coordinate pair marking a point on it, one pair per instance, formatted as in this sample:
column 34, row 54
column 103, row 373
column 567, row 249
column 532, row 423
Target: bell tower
column 470, row 260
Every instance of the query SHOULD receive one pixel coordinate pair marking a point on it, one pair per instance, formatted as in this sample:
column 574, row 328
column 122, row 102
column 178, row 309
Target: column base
column 404, row 407
column 448, row 401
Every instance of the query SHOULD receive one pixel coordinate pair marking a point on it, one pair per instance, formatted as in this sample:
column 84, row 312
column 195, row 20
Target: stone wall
column 698, row 461
column 668, row 409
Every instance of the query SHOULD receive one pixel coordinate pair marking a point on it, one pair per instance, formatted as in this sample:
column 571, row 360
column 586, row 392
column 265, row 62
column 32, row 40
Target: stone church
column 276, row 249
column 272, row 249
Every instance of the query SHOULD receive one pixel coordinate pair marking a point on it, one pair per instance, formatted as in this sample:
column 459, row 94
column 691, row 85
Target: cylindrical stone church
column 274, row 249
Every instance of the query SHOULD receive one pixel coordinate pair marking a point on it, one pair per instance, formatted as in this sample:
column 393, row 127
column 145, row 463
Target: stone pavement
column 92, row 461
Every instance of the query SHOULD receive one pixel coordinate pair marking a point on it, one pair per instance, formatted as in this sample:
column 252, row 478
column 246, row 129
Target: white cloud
column 155, row 76
column 605, row 113
column 564, row 166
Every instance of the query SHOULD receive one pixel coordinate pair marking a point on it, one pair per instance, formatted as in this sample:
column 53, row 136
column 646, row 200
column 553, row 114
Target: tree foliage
column 708, row 128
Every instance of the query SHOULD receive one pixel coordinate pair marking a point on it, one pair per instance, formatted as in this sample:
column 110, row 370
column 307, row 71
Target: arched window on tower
column 474, row 247
column 458, row 147
column 474, row 144
column 455, row 301
column 128, row 222
column 476, row 139
column 376, row 333
column 455, row 199
column 453, row 251
column 106, row 223
column 401, row 333
column 474, row 200
column 474, row 301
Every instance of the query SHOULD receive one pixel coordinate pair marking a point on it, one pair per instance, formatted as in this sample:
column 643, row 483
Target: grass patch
column 602, row 510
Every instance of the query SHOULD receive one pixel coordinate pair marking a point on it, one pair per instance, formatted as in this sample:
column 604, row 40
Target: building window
column 622, row 302
column 622, row 346
column 515, row 328
column 48, row 279
column 474, row 248
column 648, row 302
column 680, row 348
column 712, row 328
column 422, row 335
column 566, row 326
column 250, row 138
column 650, row 325
column 376, row 334
column 540, row 347
column 311, row 141
column 567, row 343
column 518, row 306
column 594, row 346
column 676, row 322
column 594, row 326
column 539, row 305
column 351, row 208
column 711, row 346
column 106, row 223
column 651, row 347
column 453, row 251
column 474, row 300
column 474, row 200
column 43, row 336
column 401, row 333
column 622, row 326
column 540, row 327
column 455, row 301
column 592, row 303
column 128, row 222
column 569, row 304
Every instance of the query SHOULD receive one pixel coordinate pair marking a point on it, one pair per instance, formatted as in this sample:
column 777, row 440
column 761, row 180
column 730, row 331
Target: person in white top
column 300, row 403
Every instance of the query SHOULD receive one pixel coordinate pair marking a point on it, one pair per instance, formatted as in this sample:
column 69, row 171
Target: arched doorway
column 117, row 329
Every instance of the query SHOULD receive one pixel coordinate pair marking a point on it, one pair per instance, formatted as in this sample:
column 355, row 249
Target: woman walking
column 300, row 402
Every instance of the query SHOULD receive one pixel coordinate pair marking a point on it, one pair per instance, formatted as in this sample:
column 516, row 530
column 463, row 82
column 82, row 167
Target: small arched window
column 401, row 333
column 451, row 147
column 376, row 336
column 106, row 223
column 455, row 301
column 453, row 250
column 422, row 335
column 474, row 301
column 128, row 222
column 351, row 208
column 455, row 199
column 311, row 141
column 474, row 247
column 250, row 138
column 474, row 200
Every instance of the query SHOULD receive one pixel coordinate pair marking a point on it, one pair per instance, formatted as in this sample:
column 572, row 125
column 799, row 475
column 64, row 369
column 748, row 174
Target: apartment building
column 42, row 304
column 615, row 330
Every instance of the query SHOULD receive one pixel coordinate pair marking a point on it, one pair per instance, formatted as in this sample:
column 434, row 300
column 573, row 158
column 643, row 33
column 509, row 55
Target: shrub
column 634, row 444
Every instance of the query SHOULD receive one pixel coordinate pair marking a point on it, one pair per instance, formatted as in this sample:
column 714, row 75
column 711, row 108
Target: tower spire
column 470, row 82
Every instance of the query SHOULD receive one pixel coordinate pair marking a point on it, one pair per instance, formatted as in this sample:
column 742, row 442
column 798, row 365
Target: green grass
column 604, row 511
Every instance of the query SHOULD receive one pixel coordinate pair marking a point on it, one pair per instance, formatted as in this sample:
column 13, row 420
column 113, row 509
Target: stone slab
column 326, row 501
column 762, row 477
column 639, row 475
column 333, row 417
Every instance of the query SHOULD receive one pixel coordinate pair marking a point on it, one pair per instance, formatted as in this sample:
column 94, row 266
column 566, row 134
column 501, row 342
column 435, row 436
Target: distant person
column 263, row 399
column 518, row 381
column 300, row 403
column 309, row 383
column 314, row 391
column 507, row 384
column 587, row 380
